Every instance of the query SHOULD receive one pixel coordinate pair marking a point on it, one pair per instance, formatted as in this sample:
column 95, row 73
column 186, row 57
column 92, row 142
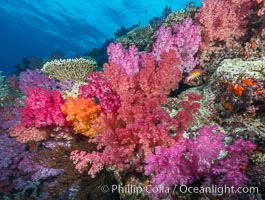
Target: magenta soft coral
column 198, row 158
column 229, row 171
column 187, row 161
column 43, row 108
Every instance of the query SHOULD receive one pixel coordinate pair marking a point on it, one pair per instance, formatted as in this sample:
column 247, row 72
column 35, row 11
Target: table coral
column 69, row 69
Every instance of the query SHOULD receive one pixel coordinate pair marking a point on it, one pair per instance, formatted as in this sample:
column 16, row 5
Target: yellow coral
column 70, row 69
column 82, row 113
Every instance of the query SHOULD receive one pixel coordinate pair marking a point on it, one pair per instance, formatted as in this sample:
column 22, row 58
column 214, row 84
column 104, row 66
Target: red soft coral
column 98, row 87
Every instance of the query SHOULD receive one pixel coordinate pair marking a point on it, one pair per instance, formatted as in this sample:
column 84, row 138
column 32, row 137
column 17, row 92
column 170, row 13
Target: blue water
column 39, row 27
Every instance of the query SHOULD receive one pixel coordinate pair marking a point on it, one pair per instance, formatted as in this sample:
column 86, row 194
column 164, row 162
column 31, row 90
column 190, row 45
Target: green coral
column 69, row 69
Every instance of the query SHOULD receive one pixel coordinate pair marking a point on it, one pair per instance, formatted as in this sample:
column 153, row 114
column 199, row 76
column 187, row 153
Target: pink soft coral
column 25, row 134
column 126, row 60
column 189, row 160
column 224, row 19
column 43, row 108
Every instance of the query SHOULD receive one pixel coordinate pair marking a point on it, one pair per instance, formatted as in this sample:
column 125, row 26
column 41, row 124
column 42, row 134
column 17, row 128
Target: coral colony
column 181, row 106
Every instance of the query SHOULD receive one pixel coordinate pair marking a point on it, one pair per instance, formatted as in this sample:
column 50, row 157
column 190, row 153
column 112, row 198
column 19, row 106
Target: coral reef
column 178, row 102
column 69, row 69
column 180, row 15
column 141, row 37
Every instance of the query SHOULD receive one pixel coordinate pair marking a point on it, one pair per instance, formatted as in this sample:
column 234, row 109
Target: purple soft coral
column 230, row 170
column 37, row 170
column 127, row 61
column 187, row 161
column 30, row 79
column 184, row 39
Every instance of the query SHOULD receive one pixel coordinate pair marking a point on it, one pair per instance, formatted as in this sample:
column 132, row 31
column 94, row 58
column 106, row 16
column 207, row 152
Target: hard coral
column 43, row 108
column 69, row 69
column 82, row 113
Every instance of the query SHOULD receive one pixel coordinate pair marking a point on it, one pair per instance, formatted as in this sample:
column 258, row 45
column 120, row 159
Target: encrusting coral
column 69, row 69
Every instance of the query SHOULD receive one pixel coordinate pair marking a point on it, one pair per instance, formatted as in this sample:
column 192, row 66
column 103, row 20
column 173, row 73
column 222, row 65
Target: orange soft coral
column 82, row 113
column 237, row 89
